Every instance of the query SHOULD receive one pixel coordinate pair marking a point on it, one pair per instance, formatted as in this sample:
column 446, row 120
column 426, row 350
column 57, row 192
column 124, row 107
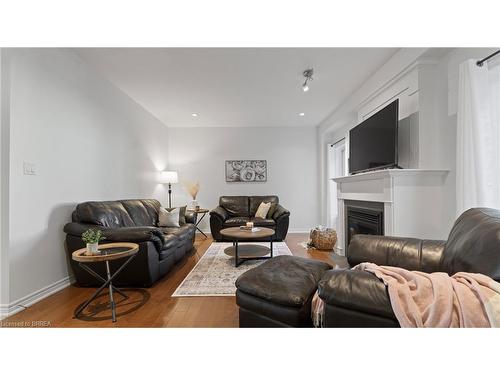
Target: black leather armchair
column 133, row 220
column 355, row 298
column 234, row 211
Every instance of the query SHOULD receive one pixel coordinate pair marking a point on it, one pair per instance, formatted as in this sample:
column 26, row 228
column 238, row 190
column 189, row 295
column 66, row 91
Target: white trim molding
column 32, row 298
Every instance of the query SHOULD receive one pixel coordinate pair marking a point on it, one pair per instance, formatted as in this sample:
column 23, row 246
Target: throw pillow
column 182, row 214
column 168, row 218
column 272, row 210
column 263, row 210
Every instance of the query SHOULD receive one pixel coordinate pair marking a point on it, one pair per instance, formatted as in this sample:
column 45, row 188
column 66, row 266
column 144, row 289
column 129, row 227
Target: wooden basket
column 323, row 239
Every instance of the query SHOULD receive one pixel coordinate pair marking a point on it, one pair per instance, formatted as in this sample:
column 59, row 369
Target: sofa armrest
column 220, row 212
column 410, row 253
column 191, row 217
column 125, row 234
column 280, row 212
column 355, row 290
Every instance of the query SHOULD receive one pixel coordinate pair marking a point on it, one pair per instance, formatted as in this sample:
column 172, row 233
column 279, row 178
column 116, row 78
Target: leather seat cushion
column 170, row 242
column 356, row 290
column 181, row 233
column 284, row 280
column 236, row 221
column 259, row 222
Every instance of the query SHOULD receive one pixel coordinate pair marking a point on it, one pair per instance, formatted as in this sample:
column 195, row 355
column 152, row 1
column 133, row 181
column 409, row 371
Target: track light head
column 308, row 73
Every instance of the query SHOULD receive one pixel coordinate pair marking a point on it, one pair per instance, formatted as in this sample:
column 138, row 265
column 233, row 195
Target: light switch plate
column 29, row 169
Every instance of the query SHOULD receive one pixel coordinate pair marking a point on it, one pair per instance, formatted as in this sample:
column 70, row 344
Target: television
column 373, row 144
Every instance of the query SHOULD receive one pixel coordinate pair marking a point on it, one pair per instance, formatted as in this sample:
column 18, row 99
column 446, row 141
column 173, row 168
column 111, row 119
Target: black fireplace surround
column 363, row 218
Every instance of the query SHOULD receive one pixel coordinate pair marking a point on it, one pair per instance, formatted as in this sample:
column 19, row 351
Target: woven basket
column 323, row 239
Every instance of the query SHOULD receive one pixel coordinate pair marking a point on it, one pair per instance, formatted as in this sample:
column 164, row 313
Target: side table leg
column 236, row 253
column 111, row 300
column 271, row 248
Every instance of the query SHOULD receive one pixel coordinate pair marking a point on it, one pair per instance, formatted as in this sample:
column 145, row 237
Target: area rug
column 215, row 273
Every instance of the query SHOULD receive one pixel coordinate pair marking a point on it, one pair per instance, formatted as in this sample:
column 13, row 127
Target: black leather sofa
column 133, row 220
column 356, row 298
column 234, row 211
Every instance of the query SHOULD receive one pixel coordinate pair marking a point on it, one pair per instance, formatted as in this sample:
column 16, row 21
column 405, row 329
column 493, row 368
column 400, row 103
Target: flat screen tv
column 373, row 144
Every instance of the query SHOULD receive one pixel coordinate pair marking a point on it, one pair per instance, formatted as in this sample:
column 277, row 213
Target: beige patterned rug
column 215, row 273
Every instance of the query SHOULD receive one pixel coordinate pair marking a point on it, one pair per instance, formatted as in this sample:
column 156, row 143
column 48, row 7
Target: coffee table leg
column 111, row 300
column 271, row 248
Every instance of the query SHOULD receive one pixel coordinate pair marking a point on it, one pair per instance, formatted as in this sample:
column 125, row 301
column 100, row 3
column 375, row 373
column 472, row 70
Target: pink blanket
column 421, row 299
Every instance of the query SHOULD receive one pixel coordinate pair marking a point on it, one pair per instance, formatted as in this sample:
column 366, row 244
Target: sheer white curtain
column 478, row 136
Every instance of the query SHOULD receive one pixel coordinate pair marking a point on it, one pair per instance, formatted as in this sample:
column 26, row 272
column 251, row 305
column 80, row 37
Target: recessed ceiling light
column 194, row 114
column 302, row 114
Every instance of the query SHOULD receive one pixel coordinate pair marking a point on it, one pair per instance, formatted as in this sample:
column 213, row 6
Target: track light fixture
column 308, row 73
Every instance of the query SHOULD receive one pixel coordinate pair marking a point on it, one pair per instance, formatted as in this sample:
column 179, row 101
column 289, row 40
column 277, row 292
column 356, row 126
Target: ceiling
column 237, row 87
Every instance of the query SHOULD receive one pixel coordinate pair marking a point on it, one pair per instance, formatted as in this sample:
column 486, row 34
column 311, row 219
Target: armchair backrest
column 245, row 206
column 474, row 244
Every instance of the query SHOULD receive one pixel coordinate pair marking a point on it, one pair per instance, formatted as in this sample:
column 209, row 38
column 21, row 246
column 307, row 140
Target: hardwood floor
column 152, row 307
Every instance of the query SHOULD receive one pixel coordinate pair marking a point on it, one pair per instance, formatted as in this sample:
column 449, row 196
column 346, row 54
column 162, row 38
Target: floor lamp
column 169, row 177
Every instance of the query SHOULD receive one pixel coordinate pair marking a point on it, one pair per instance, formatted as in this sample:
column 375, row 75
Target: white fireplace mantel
column 412, row 198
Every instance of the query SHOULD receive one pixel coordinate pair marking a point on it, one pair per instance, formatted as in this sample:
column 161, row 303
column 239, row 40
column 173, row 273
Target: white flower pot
column 92, row 248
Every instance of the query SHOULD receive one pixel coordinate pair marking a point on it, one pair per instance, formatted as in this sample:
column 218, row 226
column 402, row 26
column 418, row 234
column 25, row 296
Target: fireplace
column 363, row 218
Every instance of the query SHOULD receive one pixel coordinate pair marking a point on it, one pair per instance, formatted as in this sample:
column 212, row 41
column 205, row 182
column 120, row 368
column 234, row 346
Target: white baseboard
column 29, row 300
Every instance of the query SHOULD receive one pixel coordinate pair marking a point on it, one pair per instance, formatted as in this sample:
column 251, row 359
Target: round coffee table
column 243, row 253
column 107, row 253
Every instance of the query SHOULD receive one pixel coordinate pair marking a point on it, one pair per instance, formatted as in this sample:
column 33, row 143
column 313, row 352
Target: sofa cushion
column 235, row 205
column 140, row 214
column 169, row 217
column 236, row 221
column 170, row 244
column 181, row 233
column 258, row 222
column 256, row 200
column 111, row 214
column 284, row 280
column 356, row 290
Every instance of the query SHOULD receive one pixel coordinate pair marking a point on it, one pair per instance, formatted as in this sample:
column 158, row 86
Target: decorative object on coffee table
column 107, row 253
column 323, row 238
column 169, row 177
column 243, row 253
column 203, row 212
column 246, row 170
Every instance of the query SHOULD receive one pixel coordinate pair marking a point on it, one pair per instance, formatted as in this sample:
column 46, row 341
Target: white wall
column 291, row 154
column 4, row 188
column 88, row 141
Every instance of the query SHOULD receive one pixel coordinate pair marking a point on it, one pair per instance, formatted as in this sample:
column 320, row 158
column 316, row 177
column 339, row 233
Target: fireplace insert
column 363, row 218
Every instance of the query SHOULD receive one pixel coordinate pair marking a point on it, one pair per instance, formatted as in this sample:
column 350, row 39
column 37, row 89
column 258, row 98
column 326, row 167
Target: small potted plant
column 92, row 238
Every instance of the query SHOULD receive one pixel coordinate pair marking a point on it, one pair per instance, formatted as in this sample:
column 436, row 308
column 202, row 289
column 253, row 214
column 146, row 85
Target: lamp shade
column 168, row 177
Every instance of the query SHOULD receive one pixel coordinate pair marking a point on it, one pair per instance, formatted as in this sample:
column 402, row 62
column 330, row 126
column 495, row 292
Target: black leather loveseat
column 234, row 211
column 355, row 298
column 133, row 220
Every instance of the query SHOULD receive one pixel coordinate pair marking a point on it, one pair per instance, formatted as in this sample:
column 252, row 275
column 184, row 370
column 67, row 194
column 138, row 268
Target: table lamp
column 169, row 177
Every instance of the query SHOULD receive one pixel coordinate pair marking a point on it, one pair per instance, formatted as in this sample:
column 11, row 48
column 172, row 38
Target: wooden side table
column 108, row 253
column 203, row 212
